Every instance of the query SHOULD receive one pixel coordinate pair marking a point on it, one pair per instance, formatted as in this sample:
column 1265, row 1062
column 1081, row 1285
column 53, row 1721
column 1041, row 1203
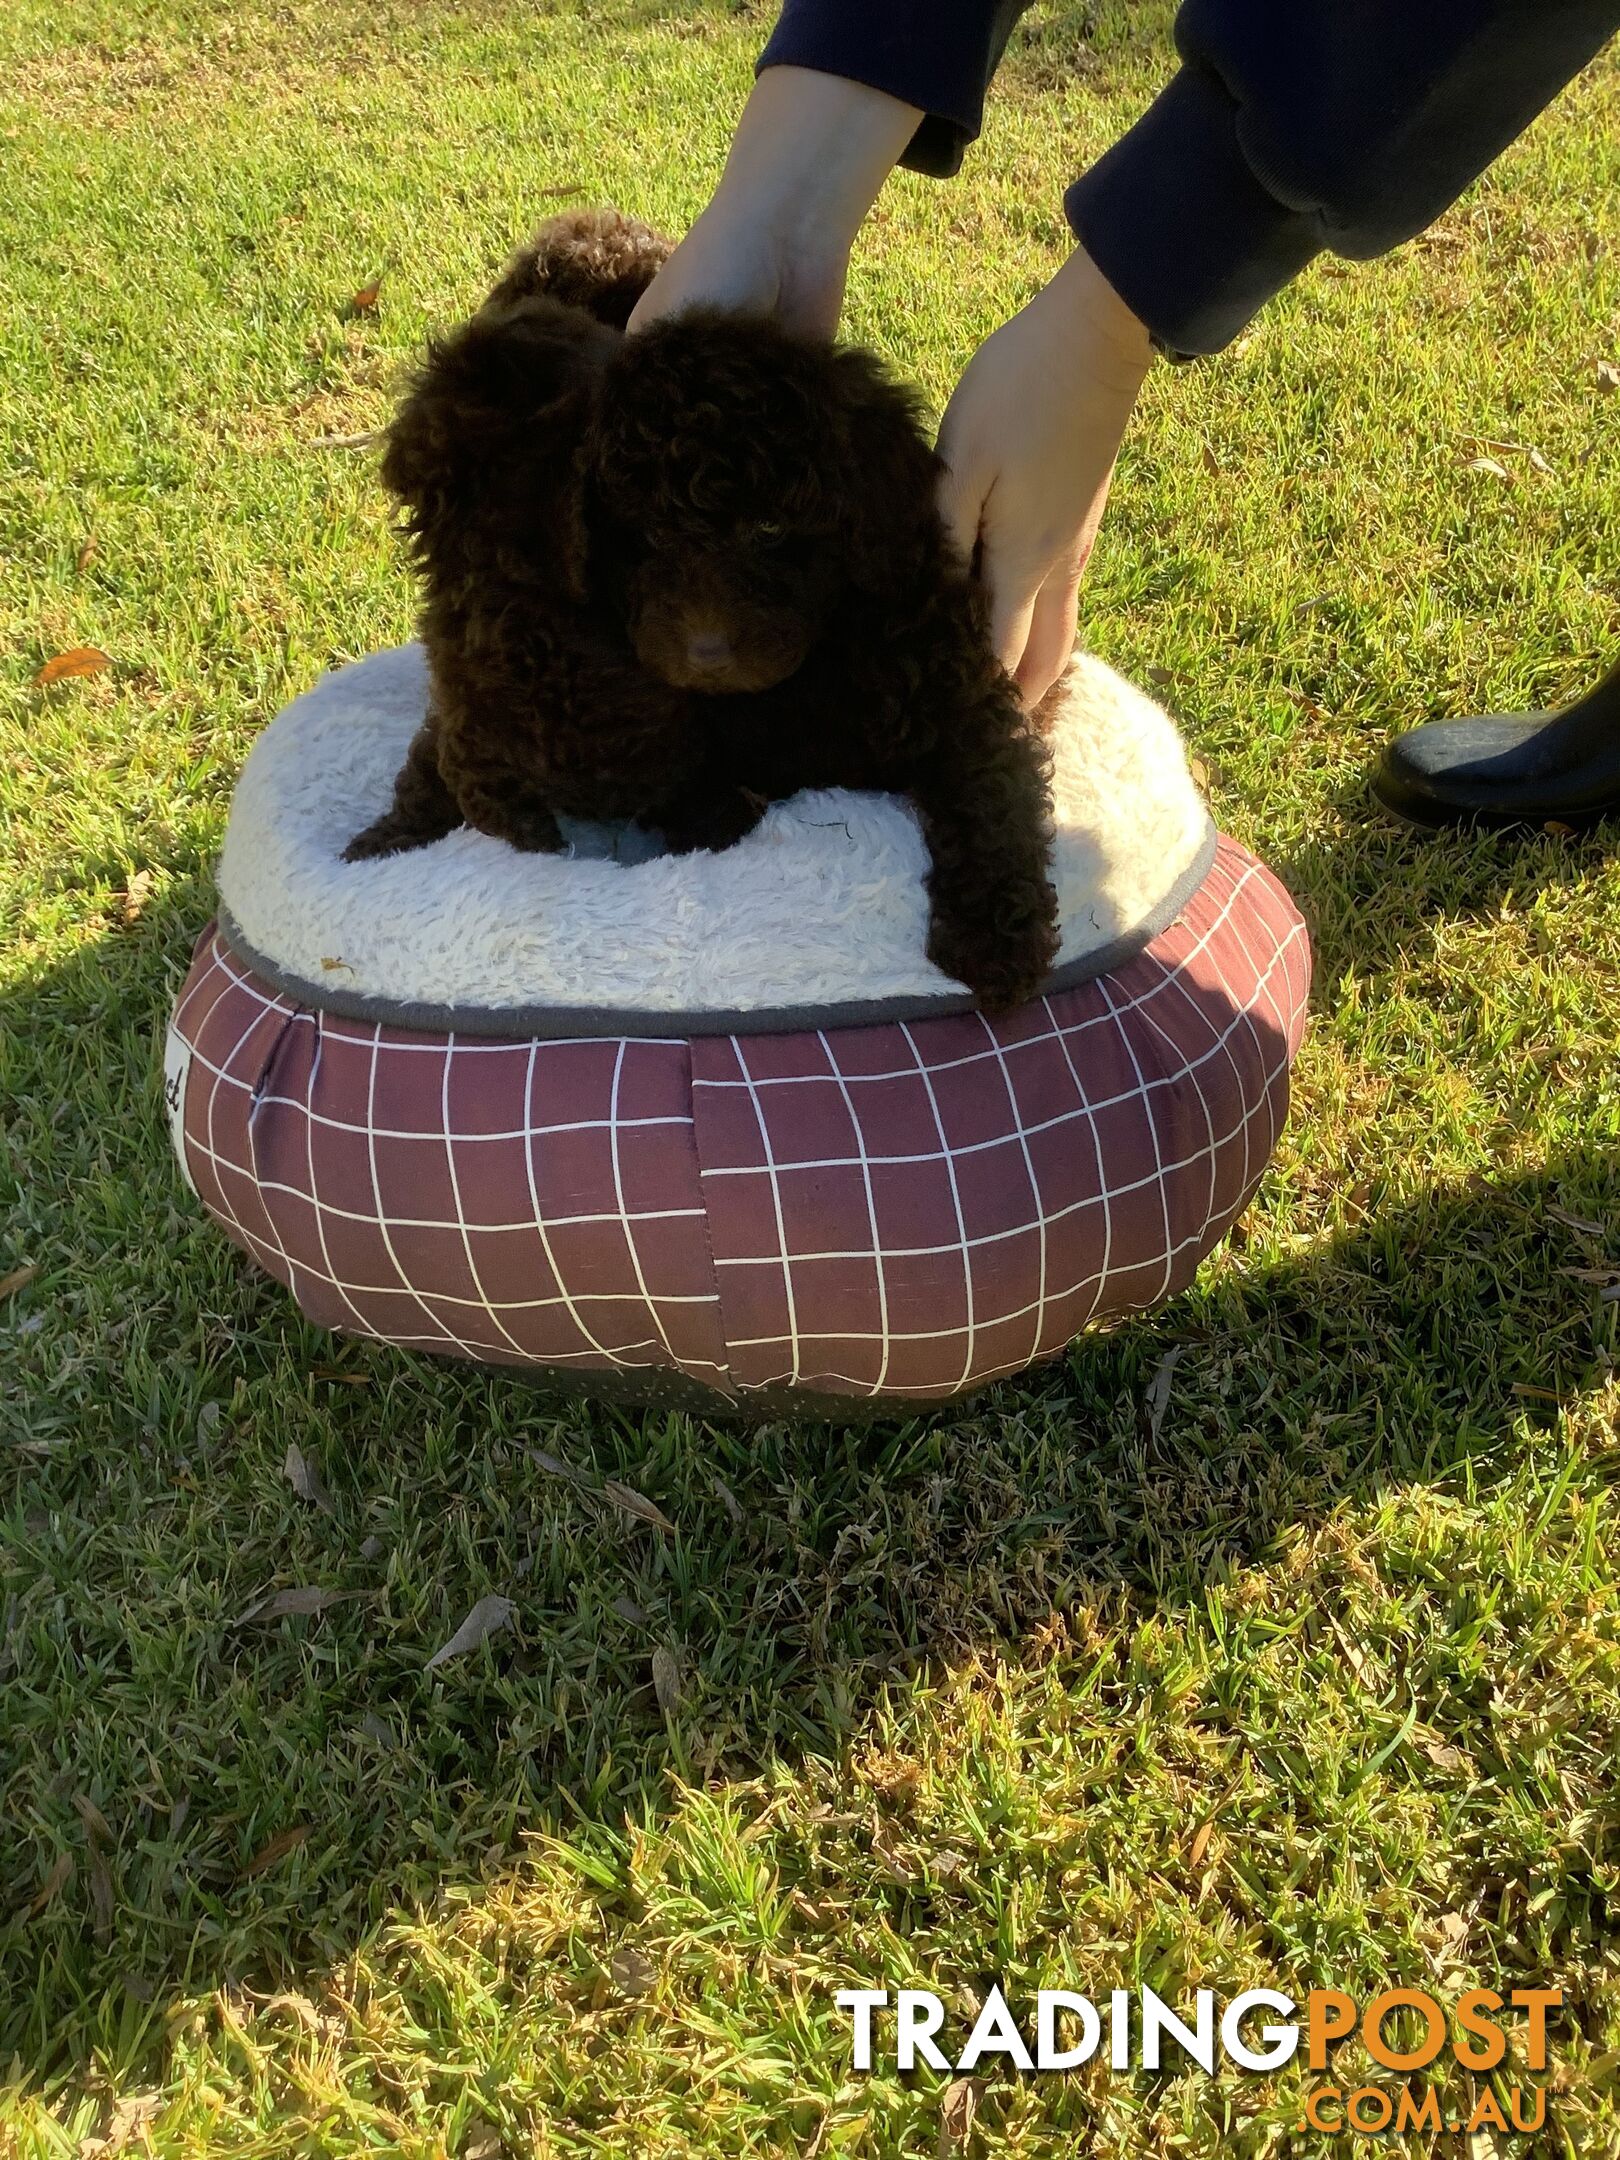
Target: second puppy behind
column 678, row 576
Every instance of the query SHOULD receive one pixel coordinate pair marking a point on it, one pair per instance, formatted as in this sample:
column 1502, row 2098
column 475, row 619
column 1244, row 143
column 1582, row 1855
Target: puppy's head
column 741, row 483
column 715, row 487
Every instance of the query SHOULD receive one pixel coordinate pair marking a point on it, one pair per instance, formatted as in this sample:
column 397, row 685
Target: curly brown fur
column 679, row 576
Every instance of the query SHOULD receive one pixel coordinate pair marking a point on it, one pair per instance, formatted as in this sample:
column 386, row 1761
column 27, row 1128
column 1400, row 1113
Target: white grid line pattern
column 871, row 1210
column 956, row 1202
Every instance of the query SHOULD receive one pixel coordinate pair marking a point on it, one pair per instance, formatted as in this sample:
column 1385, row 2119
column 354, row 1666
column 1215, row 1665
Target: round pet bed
column 710, row 1128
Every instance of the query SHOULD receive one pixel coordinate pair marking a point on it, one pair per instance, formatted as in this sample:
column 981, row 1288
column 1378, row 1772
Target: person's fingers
column 1012, row 604
column 1050, row 639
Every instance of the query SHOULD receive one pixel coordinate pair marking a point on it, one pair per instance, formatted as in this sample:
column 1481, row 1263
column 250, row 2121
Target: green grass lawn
column 1317, row 1683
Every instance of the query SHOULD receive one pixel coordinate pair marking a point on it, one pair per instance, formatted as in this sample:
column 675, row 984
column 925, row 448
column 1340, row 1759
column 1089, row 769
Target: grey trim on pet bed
column 549, row 1022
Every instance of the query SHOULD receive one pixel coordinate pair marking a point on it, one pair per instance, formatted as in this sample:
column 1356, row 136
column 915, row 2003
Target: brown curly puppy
column 679, row 576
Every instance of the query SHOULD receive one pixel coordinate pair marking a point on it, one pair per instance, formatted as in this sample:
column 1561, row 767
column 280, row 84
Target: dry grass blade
column 1157, row 1400
column 17, row 1278
column 61, row 1874
column 94, row 1821
column 305, row 1480
column 101, row 1895
column 68, row 666
column 637, row 1505
column 281, row 1603
column 363, row 441
column 274, row 1849
column 727, row 1499
column 488, row 1615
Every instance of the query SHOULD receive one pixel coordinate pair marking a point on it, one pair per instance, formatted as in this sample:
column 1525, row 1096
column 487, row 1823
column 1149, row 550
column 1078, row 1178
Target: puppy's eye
column 767, row 529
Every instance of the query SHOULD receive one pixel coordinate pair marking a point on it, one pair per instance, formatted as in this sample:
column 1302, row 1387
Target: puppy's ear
column 887, row 474
column 487, row 452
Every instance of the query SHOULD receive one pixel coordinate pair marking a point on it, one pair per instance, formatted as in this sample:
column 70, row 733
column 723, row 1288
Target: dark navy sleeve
column 1299, row 125
column 939, row 54
column 1290, row 127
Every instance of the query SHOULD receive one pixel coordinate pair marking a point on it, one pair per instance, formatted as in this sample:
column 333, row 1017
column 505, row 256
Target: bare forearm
column 810, row 153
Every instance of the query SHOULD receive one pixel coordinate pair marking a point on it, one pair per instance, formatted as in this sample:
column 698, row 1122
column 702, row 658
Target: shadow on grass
column 272, row 1790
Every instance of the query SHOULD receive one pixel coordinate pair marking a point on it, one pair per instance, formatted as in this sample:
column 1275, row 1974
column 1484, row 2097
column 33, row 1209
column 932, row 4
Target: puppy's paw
column 527, row 826
column 390, row 835
column 712, row 823
column 1001, row 968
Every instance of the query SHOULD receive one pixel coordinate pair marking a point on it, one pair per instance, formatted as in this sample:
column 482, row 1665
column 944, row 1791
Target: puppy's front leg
column 423, row 808
column 713, row 816
column 495, row 793
column 986, row 814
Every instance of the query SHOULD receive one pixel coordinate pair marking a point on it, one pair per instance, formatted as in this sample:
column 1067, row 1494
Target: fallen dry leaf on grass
column 959, row 2105
column 67, row 666
column 364, row 302
column 486, row 1616
column 276, row 1848
column 1608, row 375
column 1493, row 466
column 1577, row 1223
column 280, row 1603
column 86, row 555
column 17, row 1278
column 632, row 1970
column 637, row 1505
column 132, row 900
column 666, row 1680
column 305, row 1480
column 130, row 2117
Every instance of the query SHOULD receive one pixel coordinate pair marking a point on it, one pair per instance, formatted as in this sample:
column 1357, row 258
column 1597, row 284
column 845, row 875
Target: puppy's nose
column 707, row 649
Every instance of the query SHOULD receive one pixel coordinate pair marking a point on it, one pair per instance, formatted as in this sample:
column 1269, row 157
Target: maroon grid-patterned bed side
column 903, row 1210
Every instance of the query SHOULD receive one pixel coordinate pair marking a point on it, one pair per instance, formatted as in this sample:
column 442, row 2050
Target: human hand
column 809, row 156
column 1029, row 441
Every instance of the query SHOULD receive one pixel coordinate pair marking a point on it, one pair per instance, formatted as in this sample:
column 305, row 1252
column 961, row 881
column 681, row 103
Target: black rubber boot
column 1521, row 769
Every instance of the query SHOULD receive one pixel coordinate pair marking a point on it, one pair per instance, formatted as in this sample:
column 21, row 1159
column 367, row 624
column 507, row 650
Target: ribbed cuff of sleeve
column 907, row 59
column 1176, row 221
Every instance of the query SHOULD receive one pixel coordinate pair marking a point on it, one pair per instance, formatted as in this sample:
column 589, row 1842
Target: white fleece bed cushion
column 821, row 910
